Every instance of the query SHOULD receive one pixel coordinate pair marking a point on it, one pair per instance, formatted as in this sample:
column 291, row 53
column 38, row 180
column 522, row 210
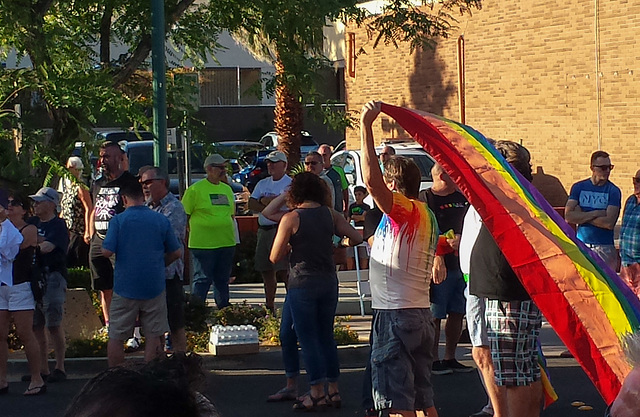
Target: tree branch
column 144, row 47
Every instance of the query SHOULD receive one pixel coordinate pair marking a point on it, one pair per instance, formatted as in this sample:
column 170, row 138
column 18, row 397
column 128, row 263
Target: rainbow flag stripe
column 586, row 303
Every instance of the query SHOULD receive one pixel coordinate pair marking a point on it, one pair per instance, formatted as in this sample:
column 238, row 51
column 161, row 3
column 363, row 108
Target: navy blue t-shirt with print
column 56, row 232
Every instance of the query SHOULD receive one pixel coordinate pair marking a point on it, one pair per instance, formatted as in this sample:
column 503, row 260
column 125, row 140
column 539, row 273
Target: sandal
column 314, row 404
column 36, row 390
column 285, row 394
column 334, row 403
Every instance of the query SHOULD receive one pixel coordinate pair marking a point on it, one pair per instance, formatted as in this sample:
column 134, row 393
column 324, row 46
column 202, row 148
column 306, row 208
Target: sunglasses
column 149, row 181
column 311, row 162
column 636, row 179
column 15, row 203
column 604, row 167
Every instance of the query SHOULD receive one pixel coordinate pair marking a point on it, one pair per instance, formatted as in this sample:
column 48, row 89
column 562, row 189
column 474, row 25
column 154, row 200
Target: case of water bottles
column 233, row 340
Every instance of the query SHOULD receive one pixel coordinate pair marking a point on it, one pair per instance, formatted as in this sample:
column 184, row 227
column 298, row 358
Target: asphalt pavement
column 239, row 385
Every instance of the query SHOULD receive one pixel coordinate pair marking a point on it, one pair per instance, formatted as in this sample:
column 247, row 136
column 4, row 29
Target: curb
column 269, row 358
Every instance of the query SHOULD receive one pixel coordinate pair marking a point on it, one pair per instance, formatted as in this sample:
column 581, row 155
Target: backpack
column 37, row 277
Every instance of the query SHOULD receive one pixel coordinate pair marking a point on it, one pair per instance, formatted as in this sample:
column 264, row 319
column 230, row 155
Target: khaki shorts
column 123, row 313
column 265, row 239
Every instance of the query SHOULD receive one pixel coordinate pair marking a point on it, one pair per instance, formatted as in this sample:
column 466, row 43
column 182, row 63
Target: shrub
column 95, row 346
column 237, row 314
column 244, row 263
column 197, row 341
column 343, row 334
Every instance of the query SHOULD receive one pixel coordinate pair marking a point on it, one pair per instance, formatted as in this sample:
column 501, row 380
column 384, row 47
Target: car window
column 139, row 156
column 307, row 141
column 267, row 141
column 425, row 164
column 349, row 168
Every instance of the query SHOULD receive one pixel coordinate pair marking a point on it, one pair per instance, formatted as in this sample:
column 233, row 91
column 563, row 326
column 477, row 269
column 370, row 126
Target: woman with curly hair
column 307, row 233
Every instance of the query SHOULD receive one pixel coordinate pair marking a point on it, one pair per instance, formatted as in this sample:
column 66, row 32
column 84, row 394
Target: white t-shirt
column 471, row 226
column 10, row 240
column 270, row 188
column 402, row 256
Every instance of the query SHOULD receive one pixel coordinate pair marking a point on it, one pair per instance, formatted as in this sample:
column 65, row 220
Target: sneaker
column 57, row 376
column 132, row 345
column 456, row 366
column 441, row 368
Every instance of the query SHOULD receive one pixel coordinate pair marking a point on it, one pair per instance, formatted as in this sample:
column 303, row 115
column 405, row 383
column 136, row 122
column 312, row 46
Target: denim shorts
column 401, row 359
column 476, row 322
column 51, row 310
column 448, row 296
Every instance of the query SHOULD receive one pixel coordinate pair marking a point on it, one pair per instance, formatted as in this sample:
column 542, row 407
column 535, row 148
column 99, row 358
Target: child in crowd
column 357, row 213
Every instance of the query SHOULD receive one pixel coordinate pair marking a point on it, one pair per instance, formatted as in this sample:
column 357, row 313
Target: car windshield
column 139, row 156
column 425, row 164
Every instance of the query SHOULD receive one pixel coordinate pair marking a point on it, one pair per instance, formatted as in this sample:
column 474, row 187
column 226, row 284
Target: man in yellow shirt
column 210, row 205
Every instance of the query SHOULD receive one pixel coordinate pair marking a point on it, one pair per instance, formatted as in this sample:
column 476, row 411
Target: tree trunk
column 288, row 118
column 105, row 35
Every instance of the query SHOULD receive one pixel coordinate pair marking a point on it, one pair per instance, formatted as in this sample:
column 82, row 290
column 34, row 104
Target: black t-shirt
column 55, row 231
column 107, row 200
column 449, row 211
column 358, row 210
column 371, row 222
column 491, row 275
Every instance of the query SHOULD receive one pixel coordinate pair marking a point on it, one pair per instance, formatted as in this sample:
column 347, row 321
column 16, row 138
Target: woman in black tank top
column 21, row 291
column 307, row 232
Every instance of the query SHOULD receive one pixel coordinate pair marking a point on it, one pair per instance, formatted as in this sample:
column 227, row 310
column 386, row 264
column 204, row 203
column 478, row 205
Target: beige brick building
column 561, row 77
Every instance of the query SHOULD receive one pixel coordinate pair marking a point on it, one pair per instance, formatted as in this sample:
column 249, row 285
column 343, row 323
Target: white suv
column 351, row 162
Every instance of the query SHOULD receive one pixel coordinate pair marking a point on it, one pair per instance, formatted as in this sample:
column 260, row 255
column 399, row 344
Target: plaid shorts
column 513, row 328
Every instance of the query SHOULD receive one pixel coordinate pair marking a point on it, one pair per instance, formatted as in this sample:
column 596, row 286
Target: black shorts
column 101, row 267
column 78, row 251
column 175, row 304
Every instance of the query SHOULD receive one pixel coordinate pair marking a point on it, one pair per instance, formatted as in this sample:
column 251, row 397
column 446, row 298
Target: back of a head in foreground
column 165, row 387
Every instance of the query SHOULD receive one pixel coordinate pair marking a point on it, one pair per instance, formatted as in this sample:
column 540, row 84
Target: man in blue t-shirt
column 594, row 205
column 143, row 242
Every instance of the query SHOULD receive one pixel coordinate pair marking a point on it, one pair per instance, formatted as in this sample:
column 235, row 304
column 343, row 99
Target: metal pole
column 159, row 83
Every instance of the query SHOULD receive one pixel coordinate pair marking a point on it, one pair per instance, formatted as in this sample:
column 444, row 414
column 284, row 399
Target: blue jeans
column 289, row 342
column 313, row 308
column 212, row 266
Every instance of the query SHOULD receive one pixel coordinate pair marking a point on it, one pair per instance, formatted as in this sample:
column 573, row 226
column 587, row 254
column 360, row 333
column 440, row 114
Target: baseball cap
column 214, row 159
column 46, row 194
column 276, row 156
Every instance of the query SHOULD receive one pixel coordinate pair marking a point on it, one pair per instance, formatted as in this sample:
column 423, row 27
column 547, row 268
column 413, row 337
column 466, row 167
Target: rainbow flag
column 585, row 302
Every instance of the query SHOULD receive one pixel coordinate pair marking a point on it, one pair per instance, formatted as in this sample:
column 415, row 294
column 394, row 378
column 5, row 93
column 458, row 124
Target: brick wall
column 530, row 77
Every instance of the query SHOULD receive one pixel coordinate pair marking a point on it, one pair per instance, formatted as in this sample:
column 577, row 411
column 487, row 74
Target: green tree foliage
column 69, row 76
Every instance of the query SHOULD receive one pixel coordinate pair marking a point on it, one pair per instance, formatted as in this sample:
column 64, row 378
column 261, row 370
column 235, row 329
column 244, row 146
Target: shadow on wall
column 427, row 90
column 550, row 187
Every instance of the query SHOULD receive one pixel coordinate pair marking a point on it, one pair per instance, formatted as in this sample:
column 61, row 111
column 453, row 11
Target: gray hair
column 157, row 173
column 75, row 162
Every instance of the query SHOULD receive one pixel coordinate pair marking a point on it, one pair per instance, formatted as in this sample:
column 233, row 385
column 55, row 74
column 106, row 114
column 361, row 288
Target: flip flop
column 36, row 390
column 285, row 394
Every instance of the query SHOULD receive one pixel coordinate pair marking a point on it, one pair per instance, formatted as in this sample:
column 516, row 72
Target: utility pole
column 159, row 84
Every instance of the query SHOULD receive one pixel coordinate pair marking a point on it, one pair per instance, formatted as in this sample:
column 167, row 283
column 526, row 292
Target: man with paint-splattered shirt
column 399, row 273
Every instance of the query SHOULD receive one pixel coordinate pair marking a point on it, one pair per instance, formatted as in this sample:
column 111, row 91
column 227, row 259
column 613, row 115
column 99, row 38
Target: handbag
column 37, row 277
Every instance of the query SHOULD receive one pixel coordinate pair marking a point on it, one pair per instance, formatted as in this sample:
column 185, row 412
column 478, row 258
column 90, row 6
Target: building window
column 230, row 86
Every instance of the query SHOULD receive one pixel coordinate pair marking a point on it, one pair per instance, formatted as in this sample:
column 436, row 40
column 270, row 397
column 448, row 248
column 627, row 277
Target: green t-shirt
column 210, row 208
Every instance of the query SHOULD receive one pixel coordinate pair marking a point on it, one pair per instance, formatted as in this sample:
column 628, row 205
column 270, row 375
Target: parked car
column 255, row 170
column 351, row 162
column 307, row 143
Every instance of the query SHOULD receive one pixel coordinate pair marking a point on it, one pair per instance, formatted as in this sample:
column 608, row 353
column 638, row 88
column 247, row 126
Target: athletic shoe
column 441, row 368
column 132, row 345
column 457, row 366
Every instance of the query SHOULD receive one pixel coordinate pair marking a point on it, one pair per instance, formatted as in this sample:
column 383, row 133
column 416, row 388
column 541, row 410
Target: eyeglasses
column 604, row 167
column 149, row 181
column 311, row 163
column 636, row 179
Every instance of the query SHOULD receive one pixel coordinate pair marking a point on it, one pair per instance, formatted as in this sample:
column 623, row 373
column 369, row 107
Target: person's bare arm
column 371, row 173
column 255, row 205
column 85, row 198
column 30, row 236
column 273, row 211
column 170, row 257
column 609, row 220
column 345, row 202
column 90, row 224
column 106, row 253
column 439, row 270
column 574, row 214
column 288, row 225
column 343, row 228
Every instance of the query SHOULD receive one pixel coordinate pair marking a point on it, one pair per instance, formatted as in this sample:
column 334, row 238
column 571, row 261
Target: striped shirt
column 630, row 232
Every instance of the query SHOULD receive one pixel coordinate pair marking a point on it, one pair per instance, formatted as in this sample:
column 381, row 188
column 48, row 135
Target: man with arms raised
column 399, row 273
